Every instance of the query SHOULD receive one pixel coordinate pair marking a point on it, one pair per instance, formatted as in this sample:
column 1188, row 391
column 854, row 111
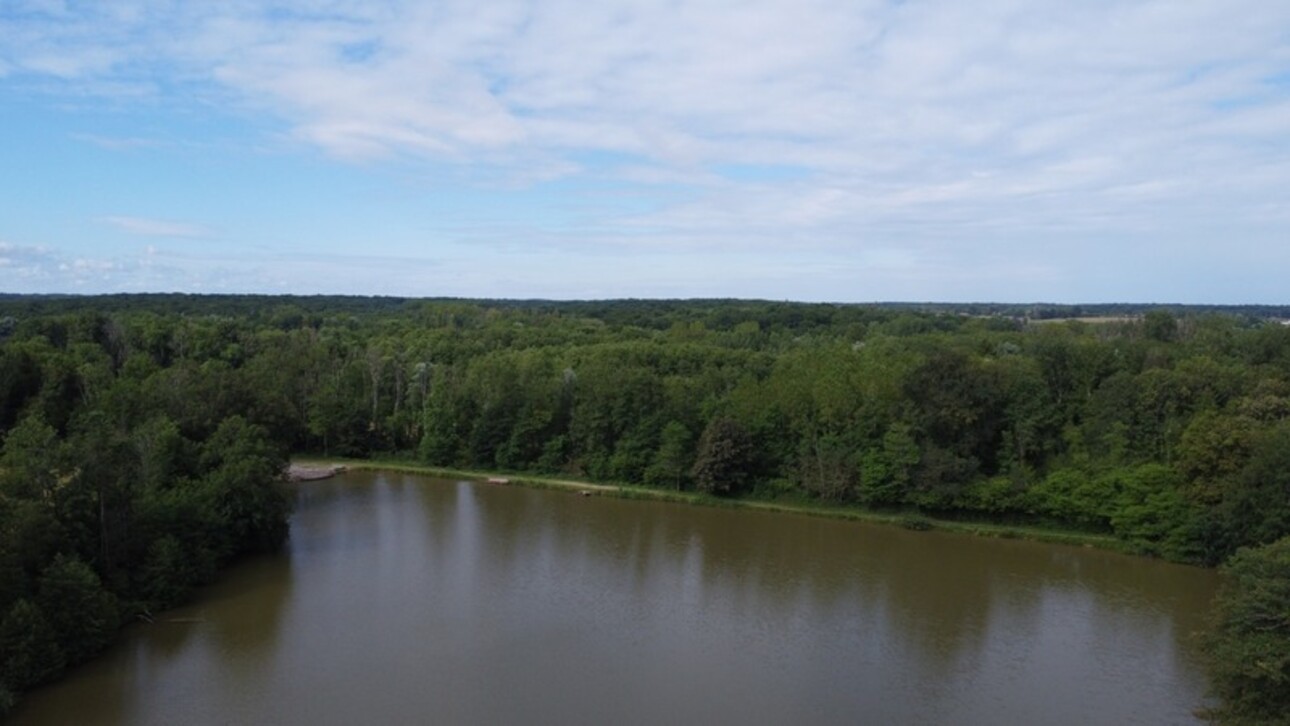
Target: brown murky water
column 407, row 600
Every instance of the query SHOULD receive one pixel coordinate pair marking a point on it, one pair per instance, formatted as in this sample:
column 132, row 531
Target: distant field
column 1093, row 319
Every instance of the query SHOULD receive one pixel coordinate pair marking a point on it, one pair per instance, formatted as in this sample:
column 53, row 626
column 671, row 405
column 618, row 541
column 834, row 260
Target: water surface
column 405, row 600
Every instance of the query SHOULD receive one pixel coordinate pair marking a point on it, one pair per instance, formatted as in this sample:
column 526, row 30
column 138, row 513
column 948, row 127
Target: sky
column 816, row 150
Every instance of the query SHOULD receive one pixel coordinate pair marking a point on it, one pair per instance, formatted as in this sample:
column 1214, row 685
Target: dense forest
column 142, row 435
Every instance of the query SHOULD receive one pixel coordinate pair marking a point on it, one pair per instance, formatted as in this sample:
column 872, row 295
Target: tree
column 29, row 650
column 886, row 471
column 725, row 460
column 958, row 407
column 167, row 575
column 81, row 613
column 827, row 467
column 1255, row 508
column 243, row 470
column 1160, row 325
column 1249, row 650
column 20, row 380
column 1152, row 513
column 672, row 460
column 29, row 465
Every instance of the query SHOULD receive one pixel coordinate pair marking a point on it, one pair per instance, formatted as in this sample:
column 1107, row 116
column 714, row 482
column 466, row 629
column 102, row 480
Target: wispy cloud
column 904, row 93
column 34, row 269
column 29, row 268
column 936, row 125
column 119, row 143
column 148, row 227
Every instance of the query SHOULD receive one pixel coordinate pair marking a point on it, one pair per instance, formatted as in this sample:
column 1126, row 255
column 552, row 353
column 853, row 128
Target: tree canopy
column 1250, row 647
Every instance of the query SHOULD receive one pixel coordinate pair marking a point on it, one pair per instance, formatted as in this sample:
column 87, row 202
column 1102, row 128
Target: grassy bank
column 831, row 511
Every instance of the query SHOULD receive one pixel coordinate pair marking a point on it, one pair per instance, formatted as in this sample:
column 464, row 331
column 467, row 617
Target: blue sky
column 841, row 150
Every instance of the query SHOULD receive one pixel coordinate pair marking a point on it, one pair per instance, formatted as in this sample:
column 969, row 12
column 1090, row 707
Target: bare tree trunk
column 375, row 372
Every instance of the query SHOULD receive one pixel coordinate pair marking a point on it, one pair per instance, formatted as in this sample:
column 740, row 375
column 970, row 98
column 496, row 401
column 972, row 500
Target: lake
column 403, row 599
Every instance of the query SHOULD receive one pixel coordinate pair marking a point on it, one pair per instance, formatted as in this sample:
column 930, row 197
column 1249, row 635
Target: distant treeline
column 645, row 313
column 139, row 431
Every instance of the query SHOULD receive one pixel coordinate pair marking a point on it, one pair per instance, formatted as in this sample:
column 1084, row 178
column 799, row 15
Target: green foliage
column 886, row 472
column 1160, row 325
column 1249, row 651
column 31, row 466
column 30, row 536
column 997, row 495
column 243, row 468
column 20, row 381
column 29, row 651
column 113, row 514
column 1215, row 448
column 7, row 700
column 1256, row 508
column 725, row 460
column 107, row 501
column 958, row 407
column 827, row 467
column 672, row 460
column 889, row 406
column 916, row 522
column 1151, row 511
column 143, row 434
column 82, row 614
column 1076, row 496
column 167, row 574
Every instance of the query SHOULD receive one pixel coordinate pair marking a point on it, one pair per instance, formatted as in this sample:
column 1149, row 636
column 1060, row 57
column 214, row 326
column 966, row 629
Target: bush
column 917, row 522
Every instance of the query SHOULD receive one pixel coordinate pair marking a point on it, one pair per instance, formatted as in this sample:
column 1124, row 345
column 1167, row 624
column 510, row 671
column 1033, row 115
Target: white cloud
column 28, row 268
column 119, row 143
column 148, row 227
column 24, row 261
column 37, row 269
column 903, row 121
column 703, row 82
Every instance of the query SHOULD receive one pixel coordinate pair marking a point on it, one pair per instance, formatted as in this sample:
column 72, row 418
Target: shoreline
column 300, row 471
column 914, row 521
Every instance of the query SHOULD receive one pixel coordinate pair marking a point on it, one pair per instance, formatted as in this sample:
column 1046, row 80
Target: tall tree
column 672, row 461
